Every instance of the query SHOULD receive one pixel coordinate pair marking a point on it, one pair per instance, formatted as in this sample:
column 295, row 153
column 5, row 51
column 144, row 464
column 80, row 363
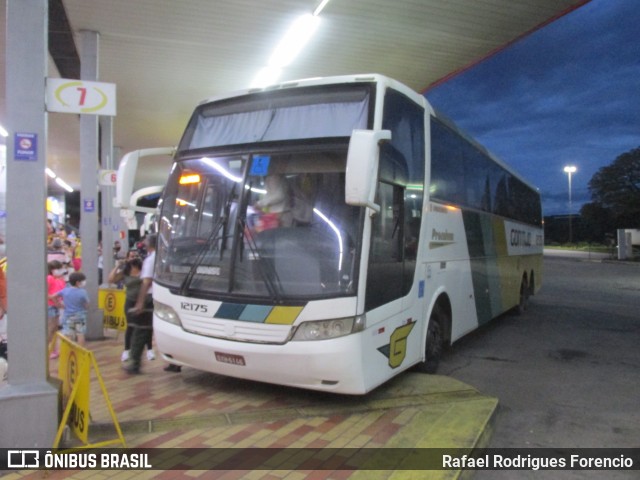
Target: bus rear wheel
column 434, row 344
column 523, row 303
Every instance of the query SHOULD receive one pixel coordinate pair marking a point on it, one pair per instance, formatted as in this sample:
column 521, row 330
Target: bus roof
column 318, row 81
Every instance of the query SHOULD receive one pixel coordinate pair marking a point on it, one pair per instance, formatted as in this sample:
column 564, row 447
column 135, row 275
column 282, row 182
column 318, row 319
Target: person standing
column 3, row 317
column 100, row 263
column 128, row 274
column 76, row 302
column 3, row 321
column 118, row 254
column 55, row 251
column 142, row 311
column 3, row 303
column 55, row 283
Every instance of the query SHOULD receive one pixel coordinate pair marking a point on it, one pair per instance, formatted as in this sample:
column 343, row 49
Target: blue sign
column 421, row 289
column 260, row 165
column 25, row 147
column 89, row 205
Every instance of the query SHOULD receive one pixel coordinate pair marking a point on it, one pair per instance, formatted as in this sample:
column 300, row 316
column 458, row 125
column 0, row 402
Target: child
column 55, row 283
column 76, row 301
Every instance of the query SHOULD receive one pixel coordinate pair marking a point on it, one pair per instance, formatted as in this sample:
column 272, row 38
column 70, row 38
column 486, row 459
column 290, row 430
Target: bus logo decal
column 396, row 350
column 441, row 239
column 445, row 236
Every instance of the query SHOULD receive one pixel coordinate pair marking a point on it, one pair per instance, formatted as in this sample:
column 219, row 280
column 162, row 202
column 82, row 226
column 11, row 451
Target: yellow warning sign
column 111, row 301
column 74, row 370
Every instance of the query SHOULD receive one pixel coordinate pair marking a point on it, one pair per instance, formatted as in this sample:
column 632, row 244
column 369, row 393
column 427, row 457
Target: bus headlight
column 325, row 329
column 166, row 313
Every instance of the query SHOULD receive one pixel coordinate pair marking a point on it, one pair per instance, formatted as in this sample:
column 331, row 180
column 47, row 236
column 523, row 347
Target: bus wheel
column 434, row 344
column 524, row 297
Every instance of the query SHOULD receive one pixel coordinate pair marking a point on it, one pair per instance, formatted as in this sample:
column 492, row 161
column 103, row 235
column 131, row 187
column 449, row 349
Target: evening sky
column 566, row 94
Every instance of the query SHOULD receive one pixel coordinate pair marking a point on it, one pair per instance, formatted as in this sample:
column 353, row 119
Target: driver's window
column 384, row 279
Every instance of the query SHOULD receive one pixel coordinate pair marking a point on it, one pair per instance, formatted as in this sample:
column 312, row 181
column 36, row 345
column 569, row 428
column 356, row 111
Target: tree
column 616, row 189
column 598, row 222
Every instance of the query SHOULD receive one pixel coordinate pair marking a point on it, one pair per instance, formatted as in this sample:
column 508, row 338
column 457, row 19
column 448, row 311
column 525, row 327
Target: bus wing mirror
column 362, row 167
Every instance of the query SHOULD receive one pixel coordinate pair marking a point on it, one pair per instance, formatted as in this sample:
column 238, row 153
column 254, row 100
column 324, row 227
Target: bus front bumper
column 333, row 365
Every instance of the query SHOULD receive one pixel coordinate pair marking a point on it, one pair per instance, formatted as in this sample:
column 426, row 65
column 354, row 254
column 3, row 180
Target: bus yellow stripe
column 283, row 315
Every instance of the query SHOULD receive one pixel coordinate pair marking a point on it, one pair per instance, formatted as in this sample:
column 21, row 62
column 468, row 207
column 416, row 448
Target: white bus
column 331, row 233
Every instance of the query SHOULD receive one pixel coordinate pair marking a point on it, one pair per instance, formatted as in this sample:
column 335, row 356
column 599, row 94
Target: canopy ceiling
column 167, row 55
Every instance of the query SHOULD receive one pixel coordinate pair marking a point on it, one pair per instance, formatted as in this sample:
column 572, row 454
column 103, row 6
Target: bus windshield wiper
column 267, row 270
column 202, row 252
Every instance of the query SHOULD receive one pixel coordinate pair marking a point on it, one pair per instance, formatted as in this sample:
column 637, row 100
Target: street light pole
column 569, row 170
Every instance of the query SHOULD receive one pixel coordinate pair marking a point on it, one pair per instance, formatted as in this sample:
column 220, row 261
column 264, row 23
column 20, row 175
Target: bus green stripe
column 485, row 245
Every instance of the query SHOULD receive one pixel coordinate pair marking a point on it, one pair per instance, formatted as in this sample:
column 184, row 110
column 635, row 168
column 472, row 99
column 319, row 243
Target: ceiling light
column 294, row 40
column 319, row 8
column 51, row 174
column 64, row 185
column 292, row 43
column 3, row 132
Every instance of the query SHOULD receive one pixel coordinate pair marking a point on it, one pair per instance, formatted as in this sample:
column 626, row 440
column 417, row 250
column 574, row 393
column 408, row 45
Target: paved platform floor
column 194, row 409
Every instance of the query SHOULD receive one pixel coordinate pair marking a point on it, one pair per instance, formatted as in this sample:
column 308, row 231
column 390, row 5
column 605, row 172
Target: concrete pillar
column 110, row 223
column 89, row 188
column 117, row 155
column 29, row 403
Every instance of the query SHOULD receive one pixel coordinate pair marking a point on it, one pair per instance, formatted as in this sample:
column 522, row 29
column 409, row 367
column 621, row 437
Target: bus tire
column 523, row 303
column 434, row 344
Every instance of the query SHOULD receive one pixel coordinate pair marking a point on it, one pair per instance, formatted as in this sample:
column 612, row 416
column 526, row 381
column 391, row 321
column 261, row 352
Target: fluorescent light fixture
column 51, row 174
column 266, row 76
column 3, row 132
column 320, row 7
column 294, row 40
column 64, row 184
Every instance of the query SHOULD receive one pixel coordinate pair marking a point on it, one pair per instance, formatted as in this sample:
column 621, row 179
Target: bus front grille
column 235, row 330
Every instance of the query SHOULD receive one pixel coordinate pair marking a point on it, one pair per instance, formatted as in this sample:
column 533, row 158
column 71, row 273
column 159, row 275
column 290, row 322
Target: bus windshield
column 268, row 227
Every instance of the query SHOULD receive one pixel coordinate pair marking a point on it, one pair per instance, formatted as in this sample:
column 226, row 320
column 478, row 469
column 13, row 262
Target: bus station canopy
column 166, row 56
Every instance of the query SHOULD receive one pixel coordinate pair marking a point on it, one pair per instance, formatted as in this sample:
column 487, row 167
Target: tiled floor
column 194, row 409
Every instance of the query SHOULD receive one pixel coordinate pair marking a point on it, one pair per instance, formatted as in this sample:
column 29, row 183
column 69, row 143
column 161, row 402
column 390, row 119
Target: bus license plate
column 230, row 358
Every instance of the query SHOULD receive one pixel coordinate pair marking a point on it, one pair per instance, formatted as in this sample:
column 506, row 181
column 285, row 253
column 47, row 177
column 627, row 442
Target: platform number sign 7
column 79, row 96
column 83, row 95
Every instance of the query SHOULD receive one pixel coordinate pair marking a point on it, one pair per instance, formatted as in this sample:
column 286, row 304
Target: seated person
column 276, row 200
